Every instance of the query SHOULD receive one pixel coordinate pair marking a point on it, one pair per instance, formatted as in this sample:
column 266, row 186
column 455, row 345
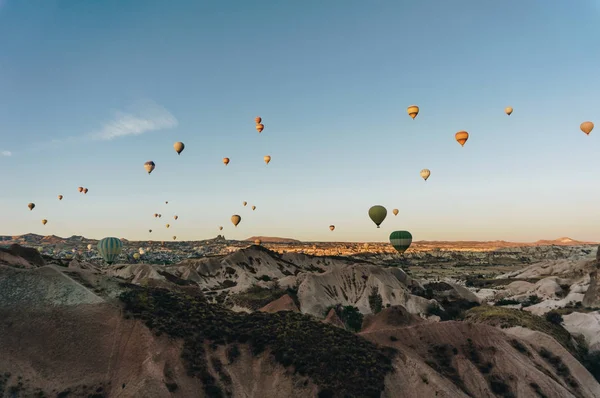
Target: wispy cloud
column 5, row 153
column 149, row 117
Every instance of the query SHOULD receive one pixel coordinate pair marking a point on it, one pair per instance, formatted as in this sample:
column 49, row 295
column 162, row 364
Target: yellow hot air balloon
column 461, row 137
column 587, row 127
column 31, row 206
column 413, row 111
column 260, row 127
column 174, row 237
column 179, row 147
column 257, row 242
column 44, row 221
column 332, row 227
column 244, row 203
column 267, row 159
column 176, row 217
column 80, row 189
column 60, row 197
column 508, row 110
column 235, row 219
column 168, row 225
column 149, row 166
column 136, row 256
column 253, row 207
column 220, row 228
column 258, row 119
column 395, row 211
column 425, row 173
column 225, row 161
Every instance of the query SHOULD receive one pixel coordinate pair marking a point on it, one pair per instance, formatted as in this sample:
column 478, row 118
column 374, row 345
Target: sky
column 89, row 91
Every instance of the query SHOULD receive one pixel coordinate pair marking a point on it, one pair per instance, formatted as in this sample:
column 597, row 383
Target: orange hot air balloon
column 80, row 189
column 413, row 111
column 332, row 227
column 395, row 211
column 225, row 161
column 220, row 228
column 267, row 159
column 155, row 215
column 258, row 119
column 253, row 207
column 508, row 110
column 260, row 127
column 85, row 190
column 60, row 197
column 587, row 127
column 176, row 217
column 462, row 137
column 235, row 219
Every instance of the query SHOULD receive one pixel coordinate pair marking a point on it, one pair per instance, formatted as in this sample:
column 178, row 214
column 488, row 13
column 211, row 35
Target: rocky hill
column 251, row 323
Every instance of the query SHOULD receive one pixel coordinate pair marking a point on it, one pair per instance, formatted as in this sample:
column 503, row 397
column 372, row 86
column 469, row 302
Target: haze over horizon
column 90, row 91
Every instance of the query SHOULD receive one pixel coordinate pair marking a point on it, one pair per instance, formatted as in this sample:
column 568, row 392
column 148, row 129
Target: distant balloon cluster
column 110, row 248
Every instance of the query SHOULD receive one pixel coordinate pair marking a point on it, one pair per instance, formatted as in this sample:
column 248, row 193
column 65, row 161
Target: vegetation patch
column 538, row 390
column 348, row 314
column 508, row 317
column 441, row 360
column 256, row 297
column 480, row 282
column 561, row 369
column 334, row 359
column 453, row 309
column 375, row 300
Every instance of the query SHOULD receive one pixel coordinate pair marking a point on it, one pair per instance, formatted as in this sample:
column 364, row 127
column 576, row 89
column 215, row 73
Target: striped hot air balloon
column 401, row 240
column 110, row 248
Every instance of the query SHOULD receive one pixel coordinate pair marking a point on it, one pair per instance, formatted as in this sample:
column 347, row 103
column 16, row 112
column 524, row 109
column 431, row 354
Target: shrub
column 375, row 300
column 554, row 317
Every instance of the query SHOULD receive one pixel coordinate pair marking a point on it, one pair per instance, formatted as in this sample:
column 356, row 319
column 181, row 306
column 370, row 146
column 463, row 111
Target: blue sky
column 332, row 81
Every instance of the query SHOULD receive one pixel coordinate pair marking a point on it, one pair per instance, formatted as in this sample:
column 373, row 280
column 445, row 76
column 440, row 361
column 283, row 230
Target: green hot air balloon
column 401, row 240
column 377, row 214
column 109, row 249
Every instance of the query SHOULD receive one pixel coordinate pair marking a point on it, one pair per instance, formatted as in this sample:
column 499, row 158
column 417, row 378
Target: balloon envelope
column 149, row 166
column 587, row 127
column 332, row 227
column 31, row 206
column 461, row 137
column 425, row 173
column 110, row 248
column 377, row 214
column 413, row 111
column 179, row 147
column 508, row 110
column 401, row 240
column 395, row 211
column 235, row 219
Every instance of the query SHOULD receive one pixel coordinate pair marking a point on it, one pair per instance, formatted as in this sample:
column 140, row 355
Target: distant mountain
column 273, row 239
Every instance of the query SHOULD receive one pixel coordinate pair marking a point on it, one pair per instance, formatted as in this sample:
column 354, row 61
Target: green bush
column 336, row 360
column 375, row 301
column 554, row 317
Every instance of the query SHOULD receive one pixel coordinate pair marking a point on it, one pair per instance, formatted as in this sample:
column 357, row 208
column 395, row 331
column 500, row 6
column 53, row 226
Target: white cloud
column 5, row 153
column 150, row 117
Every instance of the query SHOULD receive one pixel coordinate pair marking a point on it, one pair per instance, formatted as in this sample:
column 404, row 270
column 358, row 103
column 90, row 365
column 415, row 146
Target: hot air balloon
column 110, row 248
column 267, row 159
column 168, row 225
column 160, row 216
column 425, row 173
column 331, row 227
column 150, row 230
column 244, row 203
column 377, row 214
column 257, row 242
column 166, row 202
column 85, row 190
column 413, row 111
column 174, row 237
column 31, row 206
column 220, row 228
column 176, row 217
column 141, row 251
column 225, row 161
column 136, row 256
column 155, row 215
column 149, row 166
column 80, row 189
column 235, row 219
column 253, row 207
column 587, row 127
column 44, row 221
column 260, row 127
column 461, row 137
column 401, row 240
column 60, row 197
column 258, row 119
column 179, row 147
column 395, row 211
column 508, row 110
